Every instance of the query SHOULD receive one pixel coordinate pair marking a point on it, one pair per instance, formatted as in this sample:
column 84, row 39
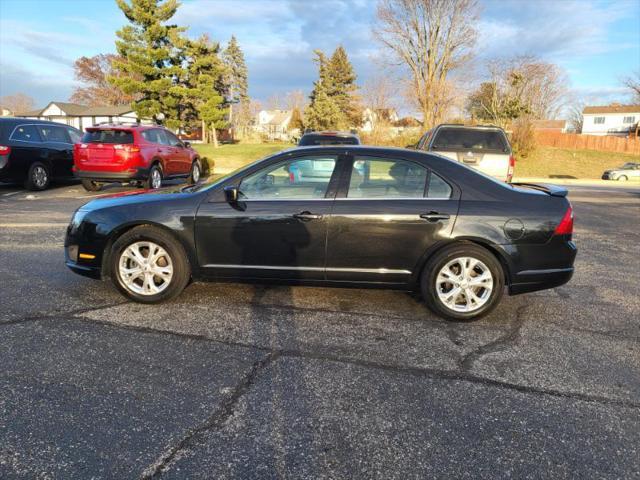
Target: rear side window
column 25, row 133
column 108, row 136
column 308, row 140
column 74, row 134
column 52, row 133
column 467, row 139
column 386, row 178
column 438, row 188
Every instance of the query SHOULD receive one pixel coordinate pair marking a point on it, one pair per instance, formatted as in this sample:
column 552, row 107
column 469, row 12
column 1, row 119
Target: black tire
column 149, row 182
column 174, row 249
column 439, row 260
column 193, row 178
column 38, row 177
column 90, row 185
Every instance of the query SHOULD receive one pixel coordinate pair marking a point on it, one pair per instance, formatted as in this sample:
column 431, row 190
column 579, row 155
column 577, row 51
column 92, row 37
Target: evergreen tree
column 151, row 62
column 236, row 81
column 344, row 88
column 323, row 112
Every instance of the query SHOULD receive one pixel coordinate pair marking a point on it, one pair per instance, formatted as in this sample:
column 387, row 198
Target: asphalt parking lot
column 249, row 381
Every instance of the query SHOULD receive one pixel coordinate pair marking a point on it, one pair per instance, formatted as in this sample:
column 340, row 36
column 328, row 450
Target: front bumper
column 139, row 173
column 86, row 270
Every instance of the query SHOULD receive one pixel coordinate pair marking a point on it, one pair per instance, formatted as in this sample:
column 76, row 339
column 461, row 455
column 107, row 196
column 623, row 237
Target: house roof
column 615, row 108
column 549, row 124
column 77, row 110
column 278, row 116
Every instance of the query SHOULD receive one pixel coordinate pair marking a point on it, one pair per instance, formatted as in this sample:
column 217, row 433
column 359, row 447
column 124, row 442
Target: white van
column 484, row 148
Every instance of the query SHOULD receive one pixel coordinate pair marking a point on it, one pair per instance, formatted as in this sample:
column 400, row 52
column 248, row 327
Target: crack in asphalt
column 458, row 375
column 58, row 315
column 225, row 411
column 511, row 337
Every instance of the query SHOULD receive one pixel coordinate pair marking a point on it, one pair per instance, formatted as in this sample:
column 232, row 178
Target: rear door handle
column 435, row 216
column 304, row 216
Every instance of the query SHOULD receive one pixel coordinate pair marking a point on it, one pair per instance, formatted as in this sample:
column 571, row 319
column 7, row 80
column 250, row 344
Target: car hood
column 137, row 197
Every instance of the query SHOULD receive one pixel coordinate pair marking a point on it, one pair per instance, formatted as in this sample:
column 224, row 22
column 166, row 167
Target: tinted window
column 54, row 134
column 373, row 178
column 25, row 133
column 171, row 138
column 470, row 140
column 74, row 134
column 108, row 136
column 300, row 178
column 154, row 136
column 308, row 140
column 438, row 188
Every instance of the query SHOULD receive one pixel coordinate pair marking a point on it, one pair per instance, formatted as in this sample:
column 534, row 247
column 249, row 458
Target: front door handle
column 435, row 216
column 305, row 216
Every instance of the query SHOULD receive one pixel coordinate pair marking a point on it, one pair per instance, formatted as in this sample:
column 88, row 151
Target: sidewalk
column 586, row 182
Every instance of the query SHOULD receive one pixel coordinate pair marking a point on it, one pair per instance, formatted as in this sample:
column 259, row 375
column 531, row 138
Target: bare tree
column 93, row 73
column 632, row 82
column 378, row 92
column 575, row 116
column 430, row 38
column 17, row 103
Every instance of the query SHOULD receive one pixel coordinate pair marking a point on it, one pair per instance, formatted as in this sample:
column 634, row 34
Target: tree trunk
column 204, row 132
column 214, row 135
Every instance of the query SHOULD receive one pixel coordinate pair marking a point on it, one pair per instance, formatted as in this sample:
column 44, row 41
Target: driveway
column 250, row 381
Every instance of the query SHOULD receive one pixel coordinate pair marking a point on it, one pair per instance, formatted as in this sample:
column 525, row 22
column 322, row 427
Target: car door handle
column 305, row 216
column 435, row 216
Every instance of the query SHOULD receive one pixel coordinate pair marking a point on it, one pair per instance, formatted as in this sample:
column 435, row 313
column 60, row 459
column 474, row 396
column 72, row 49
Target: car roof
column 332, row 133
column 123, row 126
column 470, row 127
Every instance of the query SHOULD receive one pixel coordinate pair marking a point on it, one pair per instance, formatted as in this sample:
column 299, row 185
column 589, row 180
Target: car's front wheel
column 148, row 265
column 462, row 282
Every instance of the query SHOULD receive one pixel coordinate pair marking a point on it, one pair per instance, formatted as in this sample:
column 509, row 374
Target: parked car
column 485, row 148
column 412, row 221
column 132, row 153
column 628, row 171
column 36, row 151
column 328, row 138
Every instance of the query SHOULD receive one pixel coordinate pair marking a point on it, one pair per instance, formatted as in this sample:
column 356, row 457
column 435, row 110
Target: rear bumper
column 124, row 176
column 534, row 280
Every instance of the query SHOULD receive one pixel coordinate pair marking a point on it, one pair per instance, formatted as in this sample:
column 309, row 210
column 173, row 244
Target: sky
column 596, row 42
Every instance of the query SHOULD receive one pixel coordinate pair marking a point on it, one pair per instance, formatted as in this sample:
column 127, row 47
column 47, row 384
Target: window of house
column 629, row 120
column 386, row 178
column 598, row 120
column 25, row 133
column 297, row 179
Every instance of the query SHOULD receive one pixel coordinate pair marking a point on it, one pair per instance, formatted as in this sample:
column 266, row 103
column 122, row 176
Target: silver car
column 484, row 148
column 628, row 171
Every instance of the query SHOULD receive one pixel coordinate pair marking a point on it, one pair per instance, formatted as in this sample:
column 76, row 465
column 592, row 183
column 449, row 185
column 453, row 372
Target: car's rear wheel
column 196, row 172
column 38, row 177
column 155, row 178
column 90, row 185
column 622, row 178
column 148, row 265
column 462, row 282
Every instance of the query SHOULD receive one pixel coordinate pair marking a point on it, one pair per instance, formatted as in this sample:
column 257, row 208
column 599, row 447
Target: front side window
column 25, row 133
column 598, row 120
column 54, row 134
column 298, row 178
column 629, row 120
column 171, row 138
column 386, row 178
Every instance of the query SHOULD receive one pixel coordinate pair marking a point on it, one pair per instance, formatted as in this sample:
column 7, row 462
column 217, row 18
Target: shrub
column 523, row 138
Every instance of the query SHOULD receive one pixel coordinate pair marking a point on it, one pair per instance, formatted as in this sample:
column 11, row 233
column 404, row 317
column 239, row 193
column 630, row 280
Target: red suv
column 141, row 154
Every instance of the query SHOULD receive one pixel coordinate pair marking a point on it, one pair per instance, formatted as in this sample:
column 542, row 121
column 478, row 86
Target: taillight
column 512, row 165
column 5, row 150
column 127, row 148
column 565, row 227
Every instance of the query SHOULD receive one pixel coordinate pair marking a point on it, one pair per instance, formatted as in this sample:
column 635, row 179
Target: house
column 5, row 112
column 274, row 124
column 82, row 116
column 559, row 126
column 614, row 119
column 373, row 117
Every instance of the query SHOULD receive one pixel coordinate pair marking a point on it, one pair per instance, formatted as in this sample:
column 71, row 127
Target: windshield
column 470, row 139
column 308, row 140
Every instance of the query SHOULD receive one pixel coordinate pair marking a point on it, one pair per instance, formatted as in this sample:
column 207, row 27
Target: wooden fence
column 607, row 143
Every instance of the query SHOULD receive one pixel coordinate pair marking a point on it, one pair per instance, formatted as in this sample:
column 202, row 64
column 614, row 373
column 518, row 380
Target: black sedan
column 36, row 151
column 342, row 215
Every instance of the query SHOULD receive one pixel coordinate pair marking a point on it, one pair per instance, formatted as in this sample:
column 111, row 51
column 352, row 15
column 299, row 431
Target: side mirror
column 231, row 194
column 187, row 144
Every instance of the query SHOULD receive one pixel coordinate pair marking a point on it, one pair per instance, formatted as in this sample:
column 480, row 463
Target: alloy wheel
column 195, row 173
column 145, row 268
column 156, row 178
column 464, row 284
column 40, row 176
